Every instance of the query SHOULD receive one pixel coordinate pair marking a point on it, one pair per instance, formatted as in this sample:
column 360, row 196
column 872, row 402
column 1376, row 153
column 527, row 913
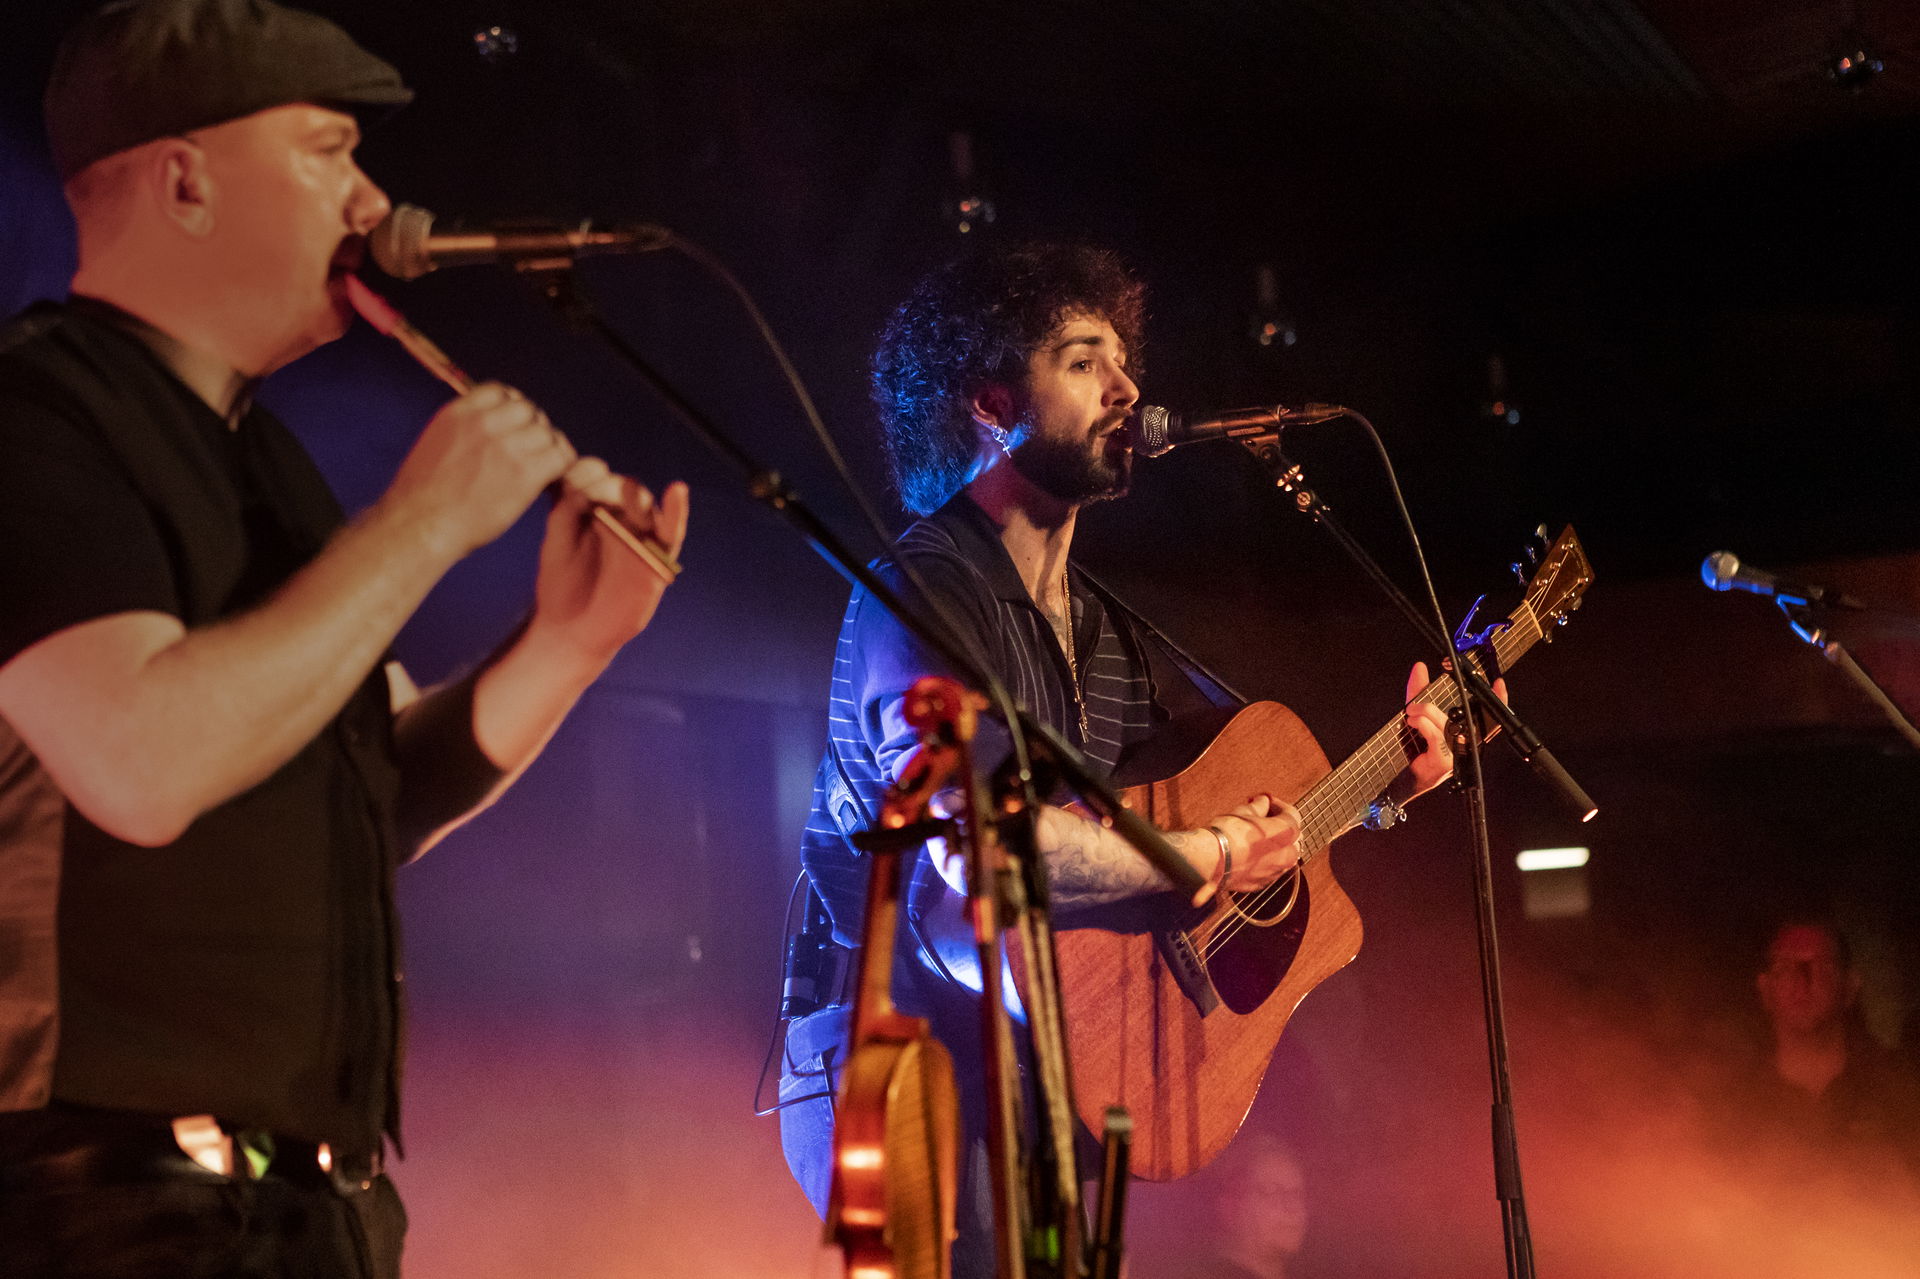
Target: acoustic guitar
column 1175, row 1013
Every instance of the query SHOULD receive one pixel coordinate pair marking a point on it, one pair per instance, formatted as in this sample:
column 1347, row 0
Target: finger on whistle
column 592, row 479
column 489, row 395
column 649, row 551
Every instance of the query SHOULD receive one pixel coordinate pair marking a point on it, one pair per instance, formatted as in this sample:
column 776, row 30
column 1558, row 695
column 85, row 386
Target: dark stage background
column 1648, row 268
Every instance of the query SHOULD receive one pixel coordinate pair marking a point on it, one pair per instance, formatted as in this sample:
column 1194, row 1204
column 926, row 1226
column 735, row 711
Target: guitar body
column 1138, row 1039
column 894, row 1204
column 1174, row 1012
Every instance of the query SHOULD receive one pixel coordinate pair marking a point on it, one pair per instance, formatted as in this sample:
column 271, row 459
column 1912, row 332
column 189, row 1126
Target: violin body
column 896, row 1144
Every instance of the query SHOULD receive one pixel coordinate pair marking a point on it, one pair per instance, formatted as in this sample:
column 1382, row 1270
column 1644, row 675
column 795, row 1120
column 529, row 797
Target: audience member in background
column 1257, row 1220
column 1823, row 1096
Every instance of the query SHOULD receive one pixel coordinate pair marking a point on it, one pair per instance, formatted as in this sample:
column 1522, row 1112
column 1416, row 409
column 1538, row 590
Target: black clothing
column 247, row 970
column 1868, row 1118
column 88, row 1194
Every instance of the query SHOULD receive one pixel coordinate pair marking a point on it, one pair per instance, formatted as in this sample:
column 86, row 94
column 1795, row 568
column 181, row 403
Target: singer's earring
column 1000, row 437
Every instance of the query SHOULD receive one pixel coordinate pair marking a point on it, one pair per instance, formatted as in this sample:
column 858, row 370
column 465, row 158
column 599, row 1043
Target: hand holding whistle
column 506, row 412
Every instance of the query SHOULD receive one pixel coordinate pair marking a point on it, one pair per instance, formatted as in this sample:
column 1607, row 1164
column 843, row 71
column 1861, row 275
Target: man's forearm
column 145, row 725
column 1089, row 865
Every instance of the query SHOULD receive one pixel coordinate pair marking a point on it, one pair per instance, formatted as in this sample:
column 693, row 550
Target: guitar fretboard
column 1340, row 801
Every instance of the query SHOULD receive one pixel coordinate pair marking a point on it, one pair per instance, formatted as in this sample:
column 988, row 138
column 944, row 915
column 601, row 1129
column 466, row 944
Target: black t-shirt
column 247, row 970
column 76, row 541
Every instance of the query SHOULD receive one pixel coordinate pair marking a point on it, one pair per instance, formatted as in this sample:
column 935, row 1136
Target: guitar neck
column 1340, row 801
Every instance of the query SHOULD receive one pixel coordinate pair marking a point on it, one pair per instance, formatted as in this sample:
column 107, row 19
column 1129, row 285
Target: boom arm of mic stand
column 1525, row 742
column 1800, row 618
column 560, row 288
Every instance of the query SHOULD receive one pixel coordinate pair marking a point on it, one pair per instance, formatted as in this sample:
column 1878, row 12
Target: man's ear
column 183, row 185
column 992, row 406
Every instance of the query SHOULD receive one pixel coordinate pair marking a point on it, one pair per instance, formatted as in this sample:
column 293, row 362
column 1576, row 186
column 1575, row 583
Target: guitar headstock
column 1559, row 582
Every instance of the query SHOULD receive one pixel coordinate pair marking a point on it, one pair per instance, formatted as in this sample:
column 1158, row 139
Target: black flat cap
column 138, row 70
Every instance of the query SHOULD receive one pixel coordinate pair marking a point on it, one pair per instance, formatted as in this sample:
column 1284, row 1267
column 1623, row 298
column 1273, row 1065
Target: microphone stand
column 1800, row 617
column 557, row 284
column 1473, row 693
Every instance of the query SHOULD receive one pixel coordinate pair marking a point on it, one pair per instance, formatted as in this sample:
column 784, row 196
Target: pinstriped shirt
column 957, row 550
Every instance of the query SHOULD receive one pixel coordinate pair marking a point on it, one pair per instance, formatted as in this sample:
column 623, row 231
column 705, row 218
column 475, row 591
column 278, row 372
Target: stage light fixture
column 1552, row 858
column 496, row 44
column 967, row 208
column 1554, row 883
column 1268, row 324
column 1852, row 62
column 1498, row 406
column 1855, row 68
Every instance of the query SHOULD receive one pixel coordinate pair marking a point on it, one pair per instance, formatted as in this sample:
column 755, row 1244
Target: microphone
column 406, row 247
column 1723, row 571
column 1156, row 430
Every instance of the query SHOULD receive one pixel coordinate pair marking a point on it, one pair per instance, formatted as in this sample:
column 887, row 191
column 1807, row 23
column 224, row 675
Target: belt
column 65, row 1145
column 251, row 1153
column 295, row 1160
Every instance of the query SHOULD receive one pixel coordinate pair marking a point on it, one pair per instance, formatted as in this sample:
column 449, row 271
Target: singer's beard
column 1077, row 472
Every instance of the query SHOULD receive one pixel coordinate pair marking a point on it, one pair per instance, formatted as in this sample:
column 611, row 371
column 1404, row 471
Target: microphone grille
column 1151, row 428
column 1719, row 569
column 399, row 243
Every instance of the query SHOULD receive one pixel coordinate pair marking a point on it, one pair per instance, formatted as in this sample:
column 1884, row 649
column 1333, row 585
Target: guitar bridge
column 1188, row 969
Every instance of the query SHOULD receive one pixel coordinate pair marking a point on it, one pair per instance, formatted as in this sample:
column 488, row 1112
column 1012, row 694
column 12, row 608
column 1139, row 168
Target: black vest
column 249, row 969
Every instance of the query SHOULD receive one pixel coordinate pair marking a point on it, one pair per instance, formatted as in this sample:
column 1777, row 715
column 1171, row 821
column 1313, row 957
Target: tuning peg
column 1519, row 572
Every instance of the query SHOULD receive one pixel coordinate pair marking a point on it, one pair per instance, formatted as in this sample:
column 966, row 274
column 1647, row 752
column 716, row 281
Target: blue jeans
column 809, row 1078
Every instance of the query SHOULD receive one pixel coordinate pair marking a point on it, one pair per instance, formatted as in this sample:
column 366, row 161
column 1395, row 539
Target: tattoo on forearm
column 1088, row 865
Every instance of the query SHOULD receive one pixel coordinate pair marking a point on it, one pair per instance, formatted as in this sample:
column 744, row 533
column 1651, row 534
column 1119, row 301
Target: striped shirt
column 957, row 550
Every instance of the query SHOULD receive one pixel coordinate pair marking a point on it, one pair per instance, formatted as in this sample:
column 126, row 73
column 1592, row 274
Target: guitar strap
column 1209, row 685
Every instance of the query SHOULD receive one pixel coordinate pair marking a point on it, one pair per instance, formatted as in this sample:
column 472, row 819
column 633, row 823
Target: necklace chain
column 1073, row 660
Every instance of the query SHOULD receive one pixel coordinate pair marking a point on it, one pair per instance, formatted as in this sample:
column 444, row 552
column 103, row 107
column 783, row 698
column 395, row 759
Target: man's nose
column 368, row 206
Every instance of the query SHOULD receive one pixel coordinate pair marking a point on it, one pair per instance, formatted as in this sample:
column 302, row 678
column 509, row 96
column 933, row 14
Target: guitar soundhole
column 1247, row 962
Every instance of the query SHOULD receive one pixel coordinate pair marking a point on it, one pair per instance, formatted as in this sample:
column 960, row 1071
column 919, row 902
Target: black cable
column 1515, row 1229
column 777, row 1035
column 995, row 690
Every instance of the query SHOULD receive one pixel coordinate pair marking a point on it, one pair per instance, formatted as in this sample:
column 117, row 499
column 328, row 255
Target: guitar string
column 1346, row 792
column 1319, row 809
column 1333, row 806
column 1326, row 811
column 1322, row 812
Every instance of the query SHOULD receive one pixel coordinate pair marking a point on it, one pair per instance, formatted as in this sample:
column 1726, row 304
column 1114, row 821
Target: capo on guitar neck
column 1480, row 647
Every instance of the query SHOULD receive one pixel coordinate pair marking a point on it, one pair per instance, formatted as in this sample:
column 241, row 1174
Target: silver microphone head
column 1719, row 569
column 1150, row 431
column 399, row 243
